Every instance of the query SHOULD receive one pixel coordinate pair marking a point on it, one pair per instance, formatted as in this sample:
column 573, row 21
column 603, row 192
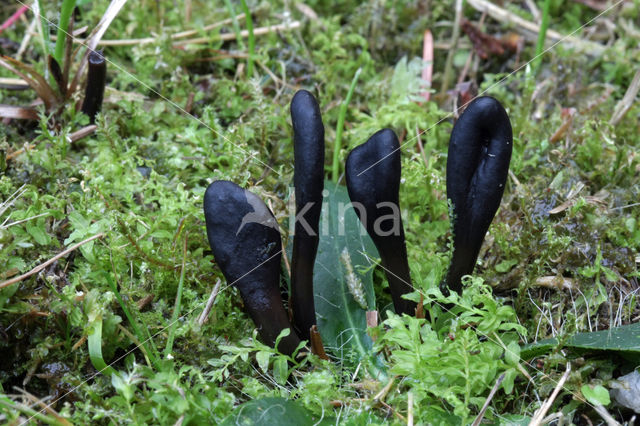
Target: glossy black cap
column 477, row 169
column 245, row 240
column 373, row 182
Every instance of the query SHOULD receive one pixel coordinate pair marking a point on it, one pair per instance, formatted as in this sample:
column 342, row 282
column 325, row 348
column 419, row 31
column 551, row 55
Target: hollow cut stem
column 96, row 80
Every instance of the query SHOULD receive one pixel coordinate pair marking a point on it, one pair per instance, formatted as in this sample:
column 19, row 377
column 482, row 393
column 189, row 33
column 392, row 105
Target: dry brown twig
column 555, row 282
column 50, row 261
column 148, row 40
column 410, row 409
column 542, row 411
column 26, row 39
column 243, row 34
column 13, row 83
column 478, row 419
column 45, row 407
column 606, row 416
column 533, row 8
column 503, row 15
column 198, row 40
column 212, row 298
column 18, row 113
column 627, row 101
column 73, row 137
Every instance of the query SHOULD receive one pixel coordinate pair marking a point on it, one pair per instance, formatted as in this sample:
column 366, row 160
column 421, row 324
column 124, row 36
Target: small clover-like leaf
column 597, row 395
column 263, row 360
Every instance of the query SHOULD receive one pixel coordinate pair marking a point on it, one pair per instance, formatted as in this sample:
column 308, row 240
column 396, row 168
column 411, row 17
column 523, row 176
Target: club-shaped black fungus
column 308, row 180
column 477, row 169
column 245, row 240
column 373, row 182
column 96, row 80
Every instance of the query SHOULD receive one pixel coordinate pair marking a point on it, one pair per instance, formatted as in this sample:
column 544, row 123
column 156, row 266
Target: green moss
column 140, row 178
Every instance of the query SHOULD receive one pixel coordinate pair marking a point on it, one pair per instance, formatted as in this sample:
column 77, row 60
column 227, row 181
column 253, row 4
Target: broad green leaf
column 506, row 265
column 6, row 294
column 38, row 233
column 280, row 370
column 341, row 319
column 273, row 411
column 597, row 395
column 512, row 354
column 263, row 360
column 625, row 339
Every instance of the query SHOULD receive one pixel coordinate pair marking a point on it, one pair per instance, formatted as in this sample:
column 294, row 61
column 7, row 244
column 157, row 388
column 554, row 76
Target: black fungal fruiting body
column 244, row 234
column 245, row 240
column 308, row 180
column 373, row 182
column 477, row 168
column 96, row 80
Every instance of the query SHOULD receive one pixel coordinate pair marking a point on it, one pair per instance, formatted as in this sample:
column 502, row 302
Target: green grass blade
column 153, row 351
column 251, row 40
column 63, row 26
column 35, row 414
column 176, row 309
column 542, row 35
column 236, row 26
column 43, row 28
column 341, row 116
column 95, row 350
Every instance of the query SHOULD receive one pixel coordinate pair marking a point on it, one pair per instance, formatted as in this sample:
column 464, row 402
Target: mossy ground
column 177, row 118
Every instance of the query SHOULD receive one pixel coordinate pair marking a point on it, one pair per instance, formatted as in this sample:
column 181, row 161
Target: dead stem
column 478, row 419
column 199, row 40
column 627, row 101
column 503, row 15
column 212, row 298
column 542, row 411
column 73, row 137
column 50, row 261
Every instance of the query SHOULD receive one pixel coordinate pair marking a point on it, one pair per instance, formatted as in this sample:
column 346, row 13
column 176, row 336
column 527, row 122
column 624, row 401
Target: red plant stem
column 427, row 67
column 13, row 18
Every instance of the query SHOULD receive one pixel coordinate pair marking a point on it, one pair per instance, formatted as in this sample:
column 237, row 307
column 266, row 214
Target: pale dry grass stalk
column 49, row 262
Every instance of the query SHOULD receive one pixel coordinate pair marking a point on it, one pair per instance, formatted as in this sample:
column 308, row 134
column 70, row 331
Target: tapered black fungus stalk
column 96, row 80
column 308, row 179
column 245, row 240
column 373, row 182
column 477, row 168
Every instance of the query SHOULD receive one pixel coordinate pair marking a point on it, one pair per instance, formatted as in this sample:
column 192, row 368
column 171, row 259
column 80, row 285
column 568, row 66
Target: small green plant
column 455, row 359
column 569, row 276
column 66, row 11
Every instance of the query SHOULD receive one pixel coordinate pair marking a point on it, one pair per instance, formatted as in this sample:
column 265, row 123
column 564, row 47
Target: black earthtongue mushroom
column 477, row 169
column 308, row 179
column 373, row 182
column 96, row 80
column 245, row 240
